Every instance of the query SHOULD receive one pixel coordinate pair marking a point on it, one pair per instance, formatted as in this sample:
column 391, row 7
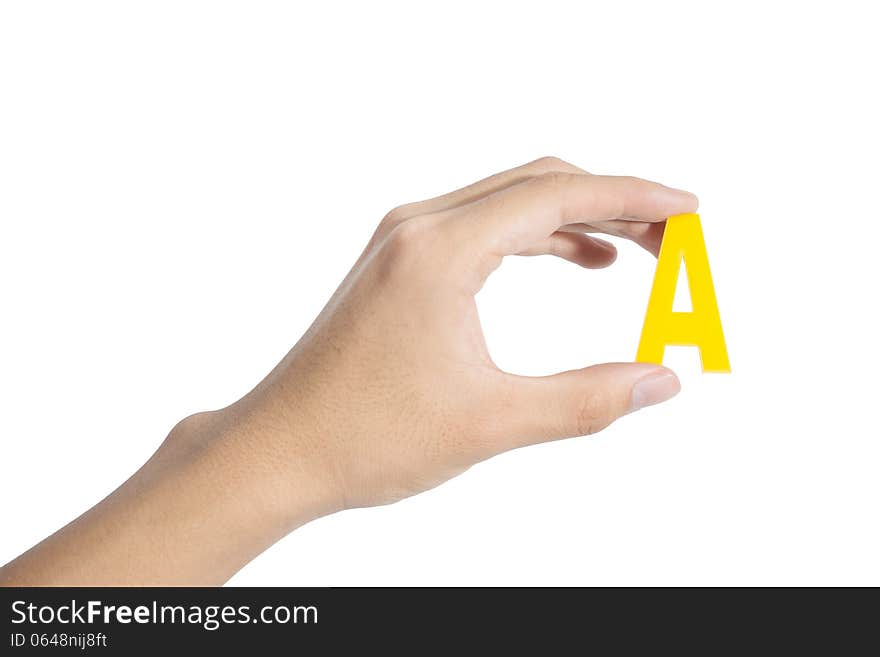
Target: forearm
column 210, row 499
column 391, row 391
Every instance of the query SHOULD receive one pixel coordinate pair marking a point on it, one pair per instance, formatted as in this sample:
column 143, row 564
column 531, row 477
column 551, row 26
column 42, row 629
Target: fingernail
column 653, row 389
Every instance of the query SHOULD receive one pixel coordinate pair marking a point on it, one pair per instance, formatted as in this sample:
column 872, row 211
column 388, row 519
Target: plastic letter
column 683, row 239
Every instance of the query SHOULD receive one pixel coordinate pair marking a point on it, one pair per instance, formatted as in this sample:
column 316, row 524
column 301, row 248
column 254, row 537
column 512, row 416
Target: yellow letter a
column 683, row 239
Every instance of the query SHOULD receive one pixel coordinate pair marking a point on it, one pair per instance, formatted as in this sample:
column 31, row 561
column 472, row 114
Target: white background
column 183, row 184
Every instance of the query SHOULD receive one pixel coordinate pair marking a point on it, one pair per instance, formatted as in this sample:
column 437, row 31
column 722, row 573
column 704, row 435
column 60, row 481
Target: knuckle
column 407, row 241
column 634, row 182
column 550, row 163
column 407, row 234
column 592, row 413
column 553, row 180
column 555, row 246
column 398, row 215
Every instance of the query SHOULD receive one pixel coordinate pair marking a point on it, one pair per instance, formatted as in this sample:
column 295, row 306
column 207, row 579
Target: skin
column 390, row 392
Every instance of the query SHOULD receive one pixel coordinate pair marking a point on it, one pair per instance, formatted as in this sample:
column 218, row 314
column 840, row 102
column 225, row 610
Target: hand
column 390, row 392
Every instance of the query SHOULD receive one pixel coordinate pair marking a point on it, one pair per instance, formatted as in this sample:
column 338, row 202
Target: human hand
column 392, row 390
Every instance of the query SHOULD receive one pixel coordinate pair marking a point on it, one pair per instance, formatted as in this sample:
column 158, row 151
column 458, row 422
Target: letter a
column 683, row 239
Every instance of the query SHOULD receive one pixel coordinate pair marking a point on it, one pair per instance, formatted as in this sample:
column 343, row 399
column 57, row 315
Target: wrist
column 266, row 463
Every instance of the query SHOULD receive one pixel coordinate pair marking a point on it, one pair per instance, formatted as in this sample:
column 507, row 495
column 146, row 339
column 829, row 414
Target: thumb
column 582, row 402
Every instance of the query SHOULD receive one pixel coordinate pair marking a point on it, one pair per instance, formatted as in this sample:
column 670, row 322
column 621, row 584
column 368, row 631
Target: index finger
column 518, row 216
